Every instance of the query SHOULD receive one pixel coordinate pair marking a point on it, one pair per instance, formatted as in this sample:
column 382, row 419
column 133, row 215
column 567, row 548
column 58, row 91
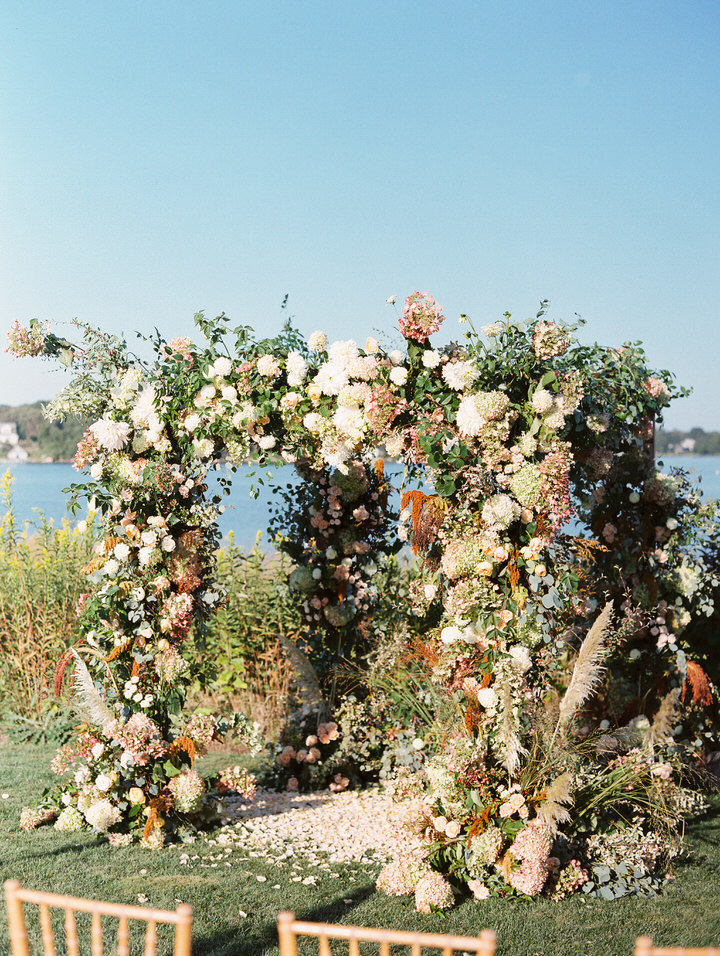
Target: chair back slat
column 289, row 929
column 644, row 947
column 324, row 946
column 48, row 938
column 151, row 938
column 123, row 937
column 71, row 937
column 15, row 896
column 96, row 935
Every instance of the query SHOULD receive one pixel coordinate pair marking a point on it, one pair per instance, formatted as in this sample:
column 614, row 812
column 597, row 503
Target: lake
column 39, row 488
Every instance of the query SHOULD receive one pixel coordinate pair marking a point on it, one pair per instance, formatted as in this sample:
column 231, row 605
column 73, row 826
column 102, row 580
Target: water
column 39, row 487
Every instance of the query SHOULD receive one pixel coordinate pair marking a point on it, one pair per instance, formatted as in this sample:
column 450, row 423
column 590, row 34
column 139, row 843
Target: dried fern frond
column 552, row 811
column 509, row 737
column 661, row 728
column 588, row 666
column 303, row 673
column 88, row 701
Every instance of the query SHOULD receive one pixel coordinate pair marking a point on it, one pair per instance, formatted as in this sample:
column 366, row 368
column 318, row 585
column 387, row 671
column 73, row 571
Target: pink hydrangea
column 549, row 340
column 188, row 790
column 400, row 877
column 421, row 316
column 433, row 892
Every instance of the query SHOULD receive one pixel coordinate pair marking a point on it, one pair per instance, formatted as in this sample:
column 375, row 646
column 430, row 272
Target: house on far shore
column 17, row 454
column 8, row 433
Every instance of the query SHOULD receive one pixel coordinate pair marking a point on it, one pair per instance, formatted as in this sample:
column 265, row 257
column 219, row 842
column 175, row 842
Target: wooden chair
column 644, row 947
column 15, row 896
column 289, row 929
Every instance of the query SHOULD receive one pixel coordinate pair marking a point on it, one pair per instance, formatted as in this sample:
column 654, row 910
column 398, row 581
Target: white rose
column 391, row 299
column 148, row 538
column 144, row 555
column 430, row 358
column 103, row 782
column 98, row 750
column 451, row 634
column 96, row 470
column 486, row 697
column 371, row 345
column 111, row 567
column 126, row 760
column 398, row 375
column 330, row 553
column 266, row 442
column 192, row 422
column 430, row 591
column 396, row 357
column 317, row 574
column 229, row 393
column 168, row 543
column 121, row 551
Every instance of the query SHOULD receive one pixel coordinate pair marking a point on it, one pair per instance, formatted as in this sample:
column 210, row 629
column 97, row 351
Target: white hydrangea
column 500, row 511
column 296, row 368
column 317, row 342
column 486, row 697
column 542, row 401
column 102, row 815
column 394, row 444
column 220, row 368
column 459, row 375
column 268, row 366
column 350, row 422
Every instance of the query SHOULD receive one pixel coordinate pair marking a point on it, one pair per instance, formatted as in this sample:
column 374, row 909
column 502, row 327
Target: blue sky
column 159, row 158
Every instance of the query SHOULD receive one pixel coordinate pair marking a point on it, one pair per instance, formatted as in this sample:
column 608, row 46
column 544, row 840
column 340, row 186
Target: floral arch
column 517, row 429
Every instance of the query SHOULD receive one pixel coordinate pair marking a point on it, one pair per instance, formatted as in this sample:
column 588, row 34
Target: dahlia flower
column 459, row 375
column 268, row 366
column 500, row 511
column 111, row 435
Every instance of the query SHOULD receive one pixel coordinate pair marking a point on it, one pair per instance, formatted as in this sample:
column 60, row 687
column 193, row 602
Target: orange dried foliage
column 184, row 745
column 697, row 681
column 110, row 543
column 472, row 717
column 119, row 649
column 150, row 825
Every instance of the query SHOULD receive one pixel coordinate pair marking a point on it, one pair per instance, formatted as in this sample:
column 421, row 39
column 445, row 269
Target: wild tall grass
column 41, row 580
column 239, row 665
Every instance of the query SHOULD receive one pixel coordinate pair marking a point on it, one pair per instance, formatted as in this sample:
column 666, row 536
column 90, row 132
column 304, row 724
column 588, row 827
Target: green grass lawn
column 235, row 912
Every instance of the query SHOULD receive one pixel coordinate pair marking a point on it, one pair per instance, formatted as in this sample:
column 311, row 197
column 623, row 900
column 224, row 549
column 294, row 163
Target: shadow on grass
column 265, row 939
